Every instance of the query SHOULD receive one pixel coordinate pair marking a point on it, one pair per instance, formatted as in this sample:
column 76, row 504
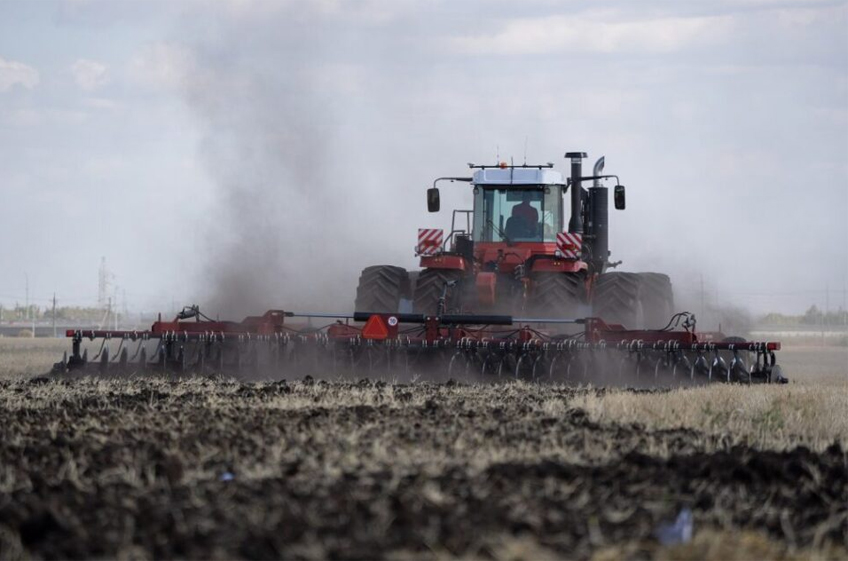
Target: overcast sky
column 252, row 155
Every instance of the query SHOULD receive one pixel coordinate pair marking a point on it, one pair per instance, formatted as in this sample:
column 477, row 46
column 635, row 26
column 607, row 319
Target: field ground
column 201, row 468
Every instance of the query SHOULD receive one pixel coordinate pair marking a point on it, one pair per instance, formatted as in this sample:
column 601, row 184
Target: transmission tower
column 104, row 283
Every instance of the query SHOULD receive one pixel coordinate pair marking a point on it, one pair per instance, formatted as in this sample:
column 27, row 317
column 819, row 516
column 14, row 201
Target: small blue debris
column 227, row 476
column 678, row 532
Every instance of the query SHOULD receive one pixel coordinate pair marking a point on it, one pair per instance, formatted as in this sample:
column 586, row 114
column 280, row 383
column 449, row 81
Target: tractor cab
column 517, row 224
column 517, row 205
column 517, row 214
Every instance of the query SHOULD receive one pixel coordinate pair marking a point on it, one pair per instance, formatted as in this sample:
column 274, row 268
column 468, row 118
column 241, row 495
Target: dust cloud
column 324, row 123
column 291, row 227
column 279, row 232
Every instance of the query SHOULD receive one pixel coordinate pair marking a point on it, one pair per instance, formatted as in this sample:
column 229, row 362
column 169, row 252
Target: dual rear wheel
column 382, row 288
column 635, row 300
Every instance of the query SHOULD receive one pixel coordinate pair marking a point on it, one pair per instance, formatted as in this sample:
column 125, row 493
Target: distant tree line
column 34, row 312
column 813, row 316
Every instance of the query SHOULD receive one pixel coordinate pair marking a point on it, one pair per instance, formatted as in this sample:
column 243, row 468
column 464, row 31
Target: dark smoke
column 267, row 140
column 290, row 202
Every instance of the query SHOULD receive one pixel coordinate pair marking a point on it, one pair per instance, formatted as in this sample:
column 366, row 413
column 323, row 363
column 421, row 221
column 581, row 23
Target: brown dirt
column 92, row 468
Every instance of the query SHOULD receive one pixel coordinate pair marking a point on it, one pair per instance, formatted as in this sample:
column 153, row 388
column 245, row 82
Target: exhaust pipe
column 598, row 170
column 575, row 225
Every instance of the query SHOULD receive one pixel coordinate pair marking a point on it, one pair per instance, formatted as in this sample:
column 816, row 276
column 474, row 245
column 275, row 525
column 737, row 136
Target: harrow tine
column 203, row 350
column 142, row 361
column 104, row 357
column 523, row 359
column 621, row 367
column 459, row 356
column 738, row 371
column 120, row 349
column 488, row 366
column 506, row 364
column 161, row 358
column 682, row 363
column 572, row 373
column 138, row 349
column 720, row 367
column 552, row 366
column 100, row 352
column 661, row 362
column 539, row 366
column 699, row 367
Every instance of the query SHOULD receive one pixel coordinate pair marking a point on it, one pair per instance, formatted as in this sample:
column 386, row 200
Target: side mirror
column 618, row 197
column 433, row 203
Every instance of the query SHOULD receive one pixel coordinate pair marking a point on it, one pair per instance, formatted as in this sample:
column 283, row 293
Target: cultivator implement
column 406, row 346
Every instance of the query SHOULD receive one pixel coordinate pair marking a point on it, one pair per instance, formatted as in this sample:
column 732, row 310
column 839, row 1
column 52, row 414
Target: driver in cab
column 526, row 216
column 526, row 212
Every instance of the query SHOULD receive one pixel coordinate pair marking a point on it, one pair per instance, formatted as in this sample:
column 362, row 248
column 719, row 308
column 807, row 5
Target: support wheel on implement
column 381, row 288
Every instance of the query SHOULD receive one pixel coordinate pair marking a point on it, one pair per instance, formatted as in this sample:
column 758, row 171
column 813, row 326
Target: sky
column 248, row 155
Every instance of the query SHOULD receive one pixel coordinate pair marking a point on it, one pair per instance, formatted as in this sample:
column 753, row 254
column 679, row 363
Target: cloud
column 367, row 12
column 101, row 103
column 162, row 66
column 557, row 34
column 13, row 72
column 35, row 117
column 89, row 75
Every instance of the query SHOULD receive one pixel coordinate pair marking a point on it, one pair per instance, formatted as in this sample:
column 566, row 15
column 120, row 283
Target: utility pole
column 826, row 300
column 26, row 303
column 115, row 311
column 702, row 297
column 102, row 283
column 54, row 315
column 822, row 317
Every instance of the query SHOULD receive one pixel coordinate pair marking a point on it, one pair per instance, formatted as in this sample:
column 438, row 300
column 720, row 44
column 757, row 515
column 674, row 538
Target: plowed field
column 156, row 468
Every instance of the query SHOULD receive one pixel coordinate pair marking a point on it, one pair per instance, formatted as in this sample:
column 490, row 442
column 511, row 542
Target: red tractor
column 512, row 254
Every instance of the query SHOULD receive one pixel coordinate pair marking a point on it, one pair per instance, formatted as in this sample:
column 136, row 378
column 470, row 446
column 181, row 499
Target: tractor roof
column 517, row 176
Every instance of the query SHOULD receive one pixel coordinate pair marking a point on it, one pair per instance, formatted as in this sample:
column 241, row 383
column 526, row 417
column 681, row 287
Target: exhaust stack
column 598, row 170
column 575, row 225
column 597, row 216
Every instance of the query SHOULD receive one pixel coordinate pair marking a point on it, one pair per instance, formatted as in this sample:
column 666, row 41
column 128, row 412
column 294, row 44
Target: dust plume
column 323, row 123
column 290, row 225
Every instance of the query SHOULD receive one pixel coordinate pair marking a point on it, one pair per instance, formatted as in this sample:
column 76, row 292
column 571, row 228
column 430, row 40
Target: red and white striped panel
column 569, row 244
column 430, row 241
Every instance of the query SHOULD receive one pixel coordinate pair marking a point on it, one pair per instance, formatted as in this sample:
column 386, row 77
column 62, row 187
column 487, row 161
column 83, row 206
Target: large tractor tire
column 380, row 289
column 429, row 287
column 657, row 299
column 617, row 298
column 557, row 295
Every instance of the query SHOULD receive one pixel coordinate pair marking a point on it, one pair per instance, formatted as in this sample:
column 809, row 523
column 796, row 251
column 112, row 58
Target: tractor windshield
column 526, row 214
